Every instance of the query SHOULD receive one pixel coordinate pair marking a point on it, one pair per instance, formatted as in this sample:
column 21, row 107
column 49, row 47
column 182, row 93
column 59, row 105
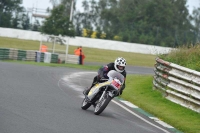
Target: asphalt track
column 37, row 99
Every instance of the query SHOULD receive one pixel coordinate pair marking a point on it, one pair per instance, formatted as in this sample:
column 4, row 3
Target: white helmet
column 120, row 62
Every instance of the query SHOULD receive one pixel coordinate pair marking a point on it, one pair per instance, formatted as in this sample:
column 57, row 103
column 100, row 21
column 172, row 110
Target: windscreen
column 114, row 74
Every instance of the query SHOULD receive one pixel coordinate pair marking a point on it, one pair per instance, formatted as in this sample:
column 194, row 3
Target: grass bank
column 92, row 54
column 187, row 56
column 139, row 91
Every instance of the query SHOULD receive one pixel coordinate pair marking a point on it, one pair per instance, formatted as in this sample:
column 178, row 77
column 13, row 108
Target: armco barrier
column 179, row 84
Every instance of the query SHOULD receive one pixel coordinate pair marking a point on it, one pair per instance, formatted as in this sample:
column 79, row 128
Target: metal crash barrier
column 179, row 84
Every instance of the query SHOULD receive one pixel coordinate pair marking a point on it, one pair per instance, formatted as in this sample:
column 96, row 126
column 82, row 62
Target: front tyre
column 85, row 104
column 101, row 105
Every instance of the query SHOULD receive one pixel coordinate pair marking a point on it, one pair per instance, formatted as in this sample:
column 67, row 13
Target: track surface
column 36, row 99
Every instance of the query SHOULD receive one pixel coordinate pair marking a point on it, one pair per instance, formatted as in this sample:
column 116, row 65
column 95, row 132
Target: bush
column 187, row 56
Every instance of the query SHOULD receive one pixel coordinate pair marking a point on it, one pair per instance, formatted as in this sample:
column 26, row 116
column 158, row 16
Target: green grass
column 187, row 56
column 138, row 87
column 19, row 44
column 92, row 55
column 88, row 67
column 139, row 91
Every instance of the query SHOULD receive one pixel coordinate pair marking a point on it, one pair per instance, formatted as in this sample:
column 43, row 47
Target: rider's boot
column 86, row 91
column 95, row 81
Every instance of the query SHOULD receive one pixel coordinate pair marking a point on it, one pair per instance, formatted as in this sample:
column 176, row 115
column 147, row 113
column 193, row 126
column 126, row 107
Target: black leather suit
column 102, row 73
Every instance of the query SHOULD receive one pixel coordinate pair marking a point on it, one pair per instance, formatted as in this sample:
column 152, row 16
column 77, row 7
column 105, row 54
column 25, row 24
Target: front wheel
column 85, row 104
column 101, row 105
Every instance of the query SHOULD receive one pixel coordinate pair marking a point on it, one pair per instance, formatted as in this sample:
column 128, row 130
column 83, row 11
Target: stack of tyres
column 21, row 55
column 47, row 57
column 30, row 55
column 54, row 58
column 39, row 56
column 42, row 57
column 13, row 54
column 4, row 53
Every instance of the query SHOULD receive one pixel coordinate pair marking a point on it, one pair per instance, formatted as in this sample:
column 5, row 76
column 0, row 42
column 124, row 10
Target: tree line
column 155, row 22
column 13, row 15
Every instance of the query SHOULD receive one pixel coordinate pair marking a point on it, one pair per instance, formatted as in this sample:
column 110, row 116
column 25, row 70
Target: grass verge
column 88, row 67
column 187, row 56
column 139, row 91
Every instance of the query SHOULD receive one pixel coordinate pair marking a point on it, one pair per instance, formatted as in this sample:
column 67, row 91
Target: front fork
column 103, row 93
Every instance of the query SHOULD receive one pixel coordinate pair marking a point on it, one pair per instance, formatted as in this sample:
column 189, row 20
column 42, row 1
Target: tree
column 142, row 21
column 25, row 21
column 58, row 23
column 196, row 21
column 15, row 22
column 7, row 8
column 54, row 2
column 36, row 25
column 156, row 22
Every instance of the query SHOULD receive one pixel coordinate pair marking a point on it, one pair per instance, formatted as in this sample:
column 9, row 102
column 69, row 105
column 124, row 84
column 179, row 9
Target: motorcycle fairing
column 96, row 89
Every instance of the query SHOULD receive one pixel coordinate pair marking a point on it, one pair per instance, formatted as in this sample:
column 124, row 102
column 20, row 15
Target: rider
column 118, row 65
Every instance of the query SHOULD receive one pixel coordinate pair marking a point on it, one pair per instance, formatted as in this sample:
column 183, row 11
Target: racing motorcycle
column 103, row 92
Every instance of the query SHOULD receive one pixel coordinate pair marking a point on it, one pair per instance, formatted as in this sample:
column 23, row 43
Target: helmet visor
column 120, row 67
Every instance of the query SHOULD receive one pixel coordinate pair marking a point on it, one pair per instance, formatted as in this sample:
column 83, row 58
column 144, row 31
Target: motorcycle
column 103, row 92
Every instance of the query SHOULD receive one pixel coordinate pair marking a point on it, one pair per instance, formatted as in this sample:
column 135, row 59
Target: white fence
column 73, row 59
column 89, row 42
column 180, row 85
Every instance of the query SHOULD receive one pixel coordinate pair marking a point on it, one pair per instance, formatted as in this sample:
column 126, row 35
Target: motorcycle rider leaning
column 118, row 65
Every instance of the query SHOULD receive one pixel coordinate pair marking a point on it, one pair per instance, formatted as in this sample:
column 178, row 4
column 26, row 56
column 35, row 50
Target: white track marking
column 129, row 104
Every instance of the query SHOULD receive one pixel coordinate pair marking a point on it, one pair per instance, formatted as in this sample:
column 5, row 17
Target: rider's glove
column 105, row 75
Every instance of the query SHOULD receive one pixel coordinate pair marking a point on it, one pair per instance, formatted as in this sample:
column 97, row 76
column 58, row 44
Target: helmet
column 120, row 64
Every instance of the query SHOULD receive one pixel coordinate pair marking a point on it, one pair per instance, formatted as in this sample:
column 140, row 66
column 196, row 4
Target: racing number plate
column 116, row 84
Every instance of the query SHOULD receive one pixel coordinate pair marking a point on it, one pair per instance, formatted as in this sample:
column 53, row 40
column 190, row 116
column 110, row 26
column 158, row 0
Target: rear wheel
column 85, row 104
column 101, row 105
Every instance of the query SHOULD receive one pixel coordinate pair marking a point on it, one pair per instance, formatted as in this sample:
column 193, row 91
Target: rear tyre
column 85, row 104
column 101, row 105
